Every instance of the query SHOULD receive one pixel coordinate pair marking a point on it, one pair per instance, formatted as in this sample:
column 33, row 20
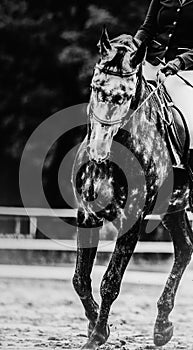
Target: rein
column 179, row 76
column 147, row 98
column 107, row 71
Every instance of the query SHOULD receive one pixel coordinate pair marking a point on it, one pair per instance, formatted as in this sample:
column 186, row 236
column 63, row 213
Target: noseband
column 106, row 122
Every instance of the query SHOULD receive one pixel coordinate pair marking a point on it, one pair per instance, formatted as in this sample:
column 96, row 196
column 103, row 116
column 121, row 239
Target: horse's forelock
column 121, row 43
column 124, row 39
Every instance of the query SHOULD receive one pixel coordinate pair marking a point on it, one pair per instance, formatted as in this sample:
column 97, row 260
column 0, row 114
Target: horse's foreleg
column 181, row 233
column 87, row 243
column 110, row 285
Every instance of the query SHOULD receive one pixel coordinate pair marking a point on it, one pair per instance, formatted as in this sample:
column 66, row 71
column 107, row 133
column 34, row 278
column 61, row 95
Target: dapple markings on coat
column 103, row 194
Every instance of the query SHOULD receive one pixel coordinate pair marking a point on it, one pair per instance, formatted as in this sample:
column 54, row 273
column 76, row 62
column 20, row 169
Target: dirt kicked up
column 43, row 314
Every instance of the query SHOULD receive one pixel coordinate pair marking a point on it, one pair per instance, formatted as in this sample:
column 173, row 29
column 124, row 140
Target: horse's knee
column 76, row 283
column 109, row 289
column 181, row 233
column 185, row 253
column 165, row 306
column 81, row 285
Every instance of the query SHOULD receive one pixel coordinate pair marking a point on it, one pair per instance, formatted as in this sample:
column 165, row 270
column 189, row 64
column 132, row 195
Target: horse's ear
column 138, row 56
column 104, row 43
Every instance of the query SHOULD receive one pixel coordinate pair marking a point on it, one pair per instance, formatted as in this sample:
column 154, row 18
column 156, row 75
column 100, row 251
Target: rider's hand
column 160, row 76
column 137, row 41
column 172, row 67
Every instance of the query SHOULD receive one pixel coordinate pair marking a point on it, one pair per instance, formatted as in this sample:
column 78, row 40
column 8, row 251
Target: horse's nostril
column 117, row 99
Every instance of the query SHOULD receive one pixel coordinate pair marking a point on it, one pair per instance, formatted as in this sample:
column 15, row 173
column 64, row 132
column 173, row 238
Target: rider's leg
column 182, row 96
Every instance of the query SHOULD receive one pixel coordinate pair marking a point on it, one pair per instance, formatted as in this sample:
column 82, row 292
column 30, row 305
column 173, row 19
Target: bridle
column 121, row 120
column 107, row 71
column 120, row 75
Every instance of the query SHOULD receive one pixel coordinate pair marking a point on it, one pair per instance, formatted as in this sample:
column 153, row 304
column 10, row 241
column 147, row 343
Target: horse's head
column 113, row 87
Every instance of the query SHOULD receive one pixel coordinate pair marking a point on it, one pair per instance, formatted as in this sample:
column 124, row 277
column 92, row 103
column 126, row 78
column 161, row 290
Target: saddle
column 175, row 126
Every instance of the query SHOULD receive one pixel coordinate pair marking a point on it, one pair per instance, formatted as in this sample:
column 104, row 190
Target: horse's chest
column 110, row 191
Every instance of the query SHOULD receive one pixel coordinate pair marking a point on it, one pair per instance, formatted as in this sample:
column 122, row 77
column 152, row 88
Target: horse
column 124, row 110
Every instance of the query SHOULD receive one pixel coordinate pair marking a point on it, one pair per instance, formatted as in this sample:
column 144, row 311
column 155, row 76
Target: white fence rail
column 70, row 246
column 66, row 245
column 33, row 214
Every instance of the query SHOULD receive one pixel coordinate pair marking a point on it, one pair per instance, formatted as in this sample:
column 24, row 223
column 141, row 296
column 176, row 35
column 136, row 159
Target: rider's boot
column 190, row 163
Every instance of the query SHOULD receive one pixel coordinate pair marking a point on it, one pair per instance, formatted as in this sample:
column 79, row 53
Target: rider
column 167, row 31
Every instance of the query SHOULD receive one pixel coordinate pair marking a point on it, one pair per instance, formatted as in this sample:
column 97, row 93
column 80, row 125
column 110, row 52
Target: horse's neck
column 139, row 102
column 144, row 125
column 149, row 104
column 141, row 94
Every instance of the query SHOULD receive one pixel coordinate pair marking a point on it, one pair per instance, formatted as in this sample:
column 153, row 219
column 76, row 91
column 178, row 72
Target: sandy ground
column 47, row 314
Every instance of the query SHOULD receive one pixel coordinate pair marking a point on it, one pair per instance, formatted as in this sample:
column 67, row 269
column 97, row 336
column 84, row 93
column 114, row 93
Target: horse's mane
column 124, row 41
column 128, row 41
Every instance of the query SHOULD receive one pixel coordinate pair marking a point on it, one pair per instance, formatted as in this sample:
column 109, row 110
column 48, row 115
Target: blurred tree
column 47, row 53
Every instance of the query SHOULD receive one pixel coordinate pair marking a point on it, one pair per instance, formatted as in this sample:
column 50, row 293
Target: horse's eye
column 93, row 87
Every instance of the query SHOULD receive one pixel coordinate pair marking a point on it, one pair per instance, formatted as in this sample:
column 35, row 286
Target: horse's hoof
column 96, row 339
column 89, row 346
column 163, row 336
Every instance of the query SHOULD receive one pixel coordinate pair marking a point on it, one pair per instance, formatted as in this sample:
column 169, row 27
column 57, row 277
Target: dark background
column 47, row 53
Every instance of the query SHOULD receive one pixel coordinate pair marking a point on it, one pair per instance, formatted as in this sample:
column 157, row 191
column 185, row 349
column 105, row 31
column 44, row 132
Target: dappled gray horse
column 119, row 172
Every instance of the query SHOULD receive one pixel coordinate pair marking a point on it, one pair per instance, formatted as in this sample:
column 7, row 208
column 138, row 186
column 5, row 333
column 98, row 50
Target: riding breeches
column 181, row 94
